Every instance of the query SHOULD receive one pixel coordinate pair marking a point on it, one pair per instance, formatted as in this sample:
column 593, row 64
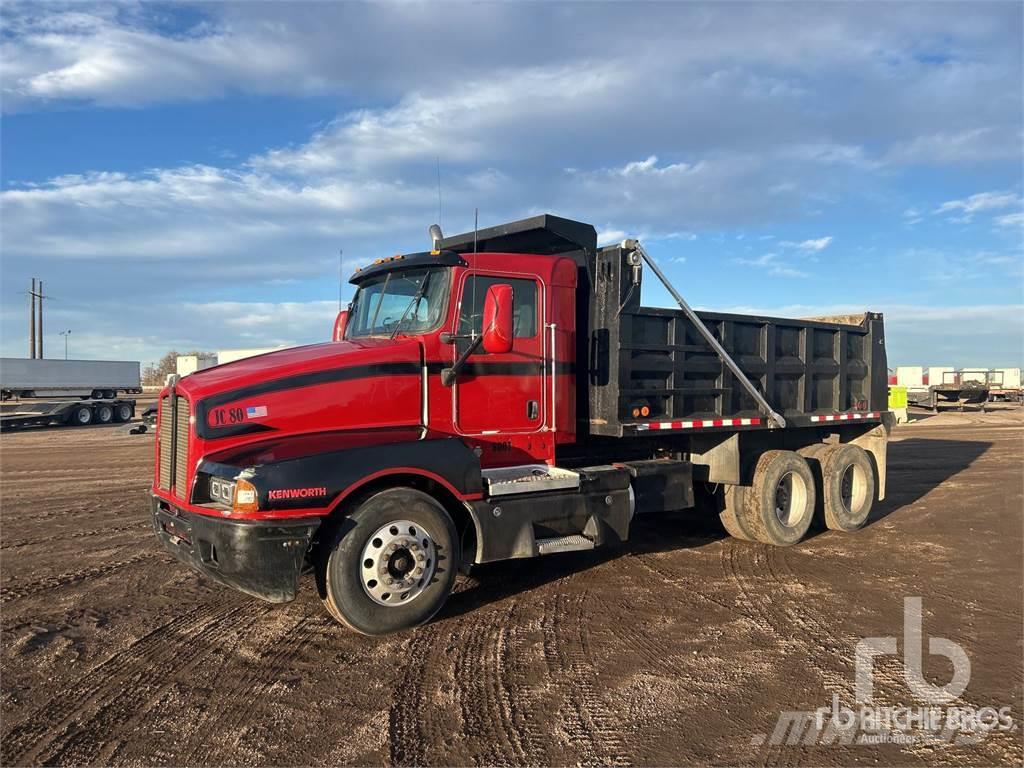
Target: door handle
column 532, row 410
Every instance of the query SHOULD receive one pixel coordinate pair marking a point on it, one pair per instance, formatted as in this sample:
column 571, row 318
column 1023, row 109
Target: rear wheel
column 778, row 506
column 848, row 486
column 732, row 513
column 813, row 453
column 104, row 414
column 81, row 416
column 123, row 412
column 392, row 563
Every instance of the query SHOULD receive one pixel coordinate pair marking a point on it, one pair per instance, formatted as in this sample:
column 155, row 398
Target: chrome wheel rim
column 397, row 563
column 790, row 499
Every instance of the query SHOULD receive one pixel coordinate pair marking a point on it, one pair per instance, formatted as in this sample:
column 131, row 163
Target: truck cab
column 465, row 410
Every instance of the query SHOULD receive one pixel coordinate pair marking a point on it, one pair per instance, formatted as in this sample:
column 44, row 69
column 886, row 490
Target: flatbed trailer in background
column 66, row 413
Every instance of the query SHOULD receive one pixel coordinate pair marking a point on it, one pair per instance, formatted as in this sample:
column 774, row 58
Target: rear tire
column 848, row 486
column 732, row 513
column 813, row 453
column 104, row 414
column 778, row 507
column 123, row 412
column 388, row 537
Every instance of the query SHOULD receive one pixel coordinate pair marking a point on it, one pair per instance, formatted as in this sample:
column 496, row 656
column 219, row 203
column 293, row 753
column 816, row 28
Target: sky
column 184, row 176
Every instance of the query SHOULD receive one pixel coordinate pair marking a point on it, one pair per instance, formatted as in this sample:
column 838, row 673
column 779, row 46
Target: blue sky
column 183, row 176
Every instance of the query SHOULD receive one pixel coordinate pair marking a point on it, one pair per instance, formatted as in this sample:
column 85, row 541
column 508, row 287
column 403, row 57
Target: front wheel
column 391, row 564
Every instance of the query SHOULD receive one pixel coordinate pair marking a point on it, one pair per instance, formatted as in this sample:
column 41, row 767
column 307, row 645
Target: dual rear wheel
column 789, row 490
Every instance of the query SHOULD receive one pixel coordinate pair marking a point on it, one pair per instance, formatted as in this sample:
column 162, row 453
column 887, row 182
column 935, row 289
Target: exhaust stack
column 435, row 237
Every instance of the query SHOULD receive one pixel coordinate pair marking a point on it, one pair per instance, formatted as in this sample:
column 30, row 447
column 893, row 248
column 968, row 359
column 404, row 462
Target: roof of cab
column 407, row 261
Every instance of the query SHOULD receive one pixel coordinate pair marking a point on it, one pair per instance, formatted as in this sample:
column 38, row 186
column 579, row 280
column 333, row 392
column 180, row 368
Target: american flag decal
column 255, row 411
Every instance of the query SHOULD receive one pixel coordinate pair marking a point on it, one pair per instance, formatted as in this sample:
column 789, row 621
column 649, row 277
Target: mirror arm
column 448, row 374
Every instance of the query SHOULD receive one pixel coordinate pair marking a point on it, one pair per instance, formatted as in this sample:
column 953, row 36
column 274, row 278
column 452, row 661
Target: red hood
column 295, row 361
column 344, row 385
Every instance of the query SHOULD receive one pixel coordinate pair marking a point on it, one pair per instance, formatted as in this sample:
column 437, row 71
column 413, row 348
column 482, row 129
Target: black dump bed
column 632, row 357
column 656, row 359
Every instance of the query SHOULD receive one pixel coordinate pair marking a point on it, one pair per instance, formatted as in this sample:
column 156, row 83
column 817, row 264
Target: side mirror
column 497, row 319
column 340, row 323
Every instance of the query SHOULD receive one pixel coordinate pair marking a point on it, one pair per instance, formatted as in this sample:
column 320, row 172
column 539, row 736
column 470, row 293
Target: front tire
column 391, row 564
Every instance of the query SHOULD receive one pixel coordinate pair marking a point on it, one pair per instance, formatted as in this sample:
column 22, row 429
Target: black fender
column 323, row 480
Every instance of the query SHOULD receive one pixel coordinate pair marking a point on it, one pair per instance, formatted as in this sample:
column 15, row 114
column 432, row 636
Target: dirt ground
column 683, row 649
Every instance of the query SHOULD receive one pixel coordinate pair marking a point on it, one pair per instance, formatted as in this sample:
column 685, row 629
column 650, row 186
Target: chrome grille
column 166, row 433
column 181, row 447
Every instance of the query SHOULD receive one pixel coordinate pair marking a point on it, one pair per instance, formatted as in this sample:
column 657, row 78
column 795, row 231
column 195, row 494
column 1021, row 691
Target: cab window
column 524, row 305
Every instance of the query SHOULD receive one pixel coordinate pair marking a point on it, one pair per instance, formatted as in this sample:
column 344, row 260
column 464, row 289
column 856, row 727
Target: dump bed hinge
column 709, row 337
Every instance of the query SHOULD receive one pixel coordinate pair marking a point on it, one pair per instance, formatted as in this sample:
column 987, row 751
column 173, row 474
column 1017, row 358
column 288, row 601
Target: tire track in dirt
column 889, row 688
column 234, row 702
column 112, row 724
column 483, row 694
column 114, row 690
column 408, row 742
column 19, row 544
column 32, row 588
column 590, row 725
column 745, row 564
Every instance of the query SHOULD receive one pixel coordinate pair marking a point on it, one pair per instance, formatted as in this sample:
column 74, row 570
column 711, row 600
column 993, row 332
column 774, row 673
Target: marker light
column 245, row 499
column 636, row 413
column 645, row 411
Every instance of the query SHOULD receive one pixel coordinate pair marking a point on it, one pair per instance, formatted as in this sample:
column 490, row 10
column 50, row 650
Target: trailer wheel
column 778, row 507
column 81, row 416
column 104, row 414
column 123, row 412
column 848, row 486
column 391, row 564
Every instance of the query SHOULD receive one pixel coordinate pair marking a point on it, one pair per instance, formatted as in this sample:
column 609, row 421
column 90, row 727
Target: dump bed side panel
column 656, row 359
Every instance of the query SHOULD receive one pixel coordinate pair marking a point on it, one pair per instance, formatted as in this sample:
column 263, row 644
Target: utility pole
column 32, row 320
column 40, row 332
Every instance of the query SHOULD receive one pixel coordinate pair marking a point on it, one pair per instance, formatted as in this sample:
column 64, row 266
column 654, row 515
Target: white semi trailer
column 96, row 379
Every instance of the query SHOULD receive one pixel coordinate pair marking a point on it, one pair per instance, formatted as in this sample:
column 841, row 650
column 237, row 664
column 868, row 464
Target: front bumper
column 262, row 558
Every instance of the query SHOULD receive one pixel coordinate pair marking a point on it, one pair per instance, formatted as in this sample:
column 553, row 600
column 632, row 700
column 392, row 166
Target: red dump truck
column 504, row 395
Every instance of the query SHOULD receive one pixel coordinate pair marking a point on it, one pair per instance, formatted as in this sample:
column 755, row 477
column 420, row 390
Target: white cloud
column 1011, row 220
column 982, row 201
column 772, row 265
column 810, row 246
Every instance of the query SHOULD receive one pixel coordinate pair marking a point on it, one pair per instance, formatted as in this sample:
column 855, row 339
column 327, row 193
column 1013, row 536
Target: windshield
column 401, row 301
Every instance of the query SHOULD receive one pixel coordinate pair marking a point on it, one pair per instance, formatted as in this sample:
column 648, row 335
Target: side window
column 524, row 304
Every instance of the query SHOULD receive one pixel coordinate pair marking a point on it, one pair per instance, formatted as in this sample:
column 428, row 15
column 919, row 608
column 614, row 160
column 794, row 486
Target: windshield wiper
column 416, row 297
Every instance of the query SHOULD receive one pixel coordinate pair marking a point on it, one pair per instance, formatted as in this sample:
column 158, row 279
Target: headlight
column 222, row 491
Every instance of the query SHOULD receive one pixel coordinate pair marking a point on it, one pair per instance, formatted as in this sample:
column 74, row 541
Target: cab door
column 501, row 393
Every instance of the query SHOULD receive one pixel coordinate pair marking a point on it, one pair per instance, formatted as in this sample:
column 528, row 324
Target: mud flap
column 876, row 442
